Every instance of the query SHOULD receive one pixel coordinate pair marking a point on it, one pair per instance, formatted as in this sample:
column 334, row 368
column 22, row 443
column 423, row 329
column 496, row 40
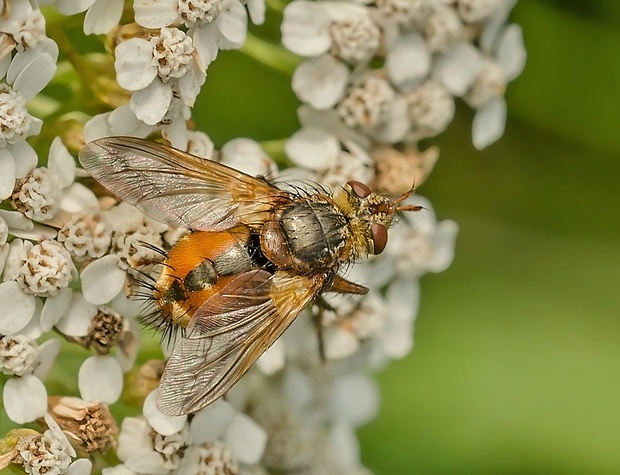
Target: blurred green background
column 517, row 359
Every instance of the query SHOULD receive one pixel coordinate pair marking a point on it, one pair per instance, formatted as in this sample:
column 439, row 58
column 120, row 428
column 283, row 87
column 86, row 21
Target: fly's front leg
column 340, row 285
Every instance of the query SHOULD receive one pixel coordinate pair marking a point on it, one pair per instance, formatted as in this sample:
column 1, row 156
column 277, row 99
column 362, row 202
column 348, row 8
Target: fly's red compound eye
column 379, row 235
column 361, row 190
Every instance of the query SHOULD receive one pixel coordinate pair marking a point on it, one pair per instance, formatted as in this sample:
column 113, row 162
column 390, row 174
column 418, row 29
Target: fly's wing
column 228, row 333
column 178, row 188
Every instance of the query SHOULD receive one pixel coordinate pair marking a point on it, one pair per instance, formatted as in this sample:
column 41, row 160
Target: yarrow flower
column 37, row 195
column 22, row 27
column 217, row 440
column 101, row 15
column 24, row 395
column 47, row 452
column 78, row 267
column 89, row 426
column 86, row 236
column 155, row 69
column 430, row 52
column 44, row 268
column 212, row 24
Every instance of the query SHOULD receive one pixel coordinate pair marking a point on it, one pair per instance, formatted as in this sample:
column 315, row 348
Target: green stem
column 271, row 55
column 275, row 149
column 82, row 68
column 276, row 5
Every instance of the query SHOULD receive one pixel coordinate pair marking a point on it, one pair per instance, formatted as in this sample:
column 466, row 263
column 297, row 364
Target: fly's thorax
column 308, row 234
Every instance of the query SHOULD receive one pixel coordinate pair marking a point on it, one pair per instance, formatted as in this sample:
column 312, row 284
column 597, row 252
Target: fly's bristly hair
column 257, row 255
column 145, row 289
column 304, row 189
column 152, row 247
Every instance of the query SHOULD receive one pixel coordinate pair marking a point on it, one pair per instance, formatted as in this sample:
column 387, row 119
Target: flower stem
column 81, row 67
column 276, row 5
column 270, row 55
column 275, row 149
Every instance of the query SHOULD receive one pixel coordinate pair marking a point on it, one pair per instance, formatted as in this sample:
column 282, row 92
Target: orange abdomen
column 198, row 266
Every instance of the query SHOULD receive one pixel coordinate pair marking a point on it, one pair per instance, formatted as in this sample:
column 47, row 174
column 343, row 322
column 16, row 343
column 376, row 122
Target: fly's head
column 370, row 215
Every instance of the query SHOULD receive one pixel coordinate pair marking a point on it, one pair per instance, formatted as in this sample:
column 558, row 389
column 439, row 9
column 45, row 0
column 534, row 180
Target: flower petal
column 190, row 84
column 489, row 123
column 232, row 21
column 4, row 65
column 81, row 466
column 397, row 124
column 321, row 81
column 17, row 308
column 102, row 280
column 35, row 76
column 71, row 7
column 78, row 317
column 24, row 398
column 37, row 233
column 134, row 439
column 128, row 349
column 272, row 360
column 247, row 439
column 25, row 158
column 248, row 156
column 78, row 197
column 98, row 127
column 155, row 13
column 7, row 174
column 205, row 38
column 339, row 343
column 210, row 423
column 343, row 441
column 13, row 260
column 55, row 308
column 403, row 298
column 16, row 220
column 33, row 330
column 122, row 121
column 134, row 64
column 408, row 61
column 151, row 103
column 459, row 67
column 355, row 399
column 313, row 148
column 162, row 423
column 100, row 379
column 511, row 54
column 150, row 462
column 443, row 245
column 4, row 254
column 103, row 16
column 256, row 9
column 48, row 351
column 127, row 307
column 61, row 162
column 305, row 29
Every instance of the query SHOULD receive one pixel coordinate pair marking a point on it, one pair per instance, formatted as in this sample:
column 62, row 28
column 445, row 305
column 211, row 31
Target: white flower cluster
column 379, row 76
column 164, row 62
column 27, row 65
column 388, row 71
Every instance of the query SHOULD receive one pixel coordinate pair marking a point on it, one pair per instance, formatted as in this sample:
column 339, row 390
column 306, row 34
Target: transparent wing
column 176, row 187
column 228, row 334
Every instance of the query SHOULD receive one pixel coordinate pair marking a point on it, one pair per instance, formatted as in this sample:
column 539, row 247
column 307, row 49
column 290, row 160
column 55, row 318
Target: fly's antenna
column 403, row 197
column 409, row 208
